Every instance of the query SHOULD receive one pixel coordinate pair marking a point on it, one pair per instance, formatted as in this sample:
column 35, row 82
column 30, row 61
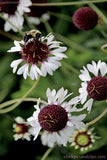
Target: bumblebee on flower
column 40, row 54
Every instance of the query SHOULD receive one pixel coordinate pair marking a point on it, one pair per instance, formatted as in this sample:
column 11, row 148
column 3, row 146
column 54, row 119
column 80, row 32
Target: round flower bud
column 85, row 18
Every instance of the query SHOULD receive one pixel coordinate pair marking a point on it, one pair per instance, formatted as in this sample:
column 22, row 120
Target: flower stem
column 103, row 48
column 70, row 67
column 48, row 152
column 47, row 26
column 16, row 100
column 70, row 43
column 31, row 26
column 5, row 19
column 68, row 3
column 21, row 100
column 98, row 118
column 9, row 35
column 61, row 16
column 99, row 12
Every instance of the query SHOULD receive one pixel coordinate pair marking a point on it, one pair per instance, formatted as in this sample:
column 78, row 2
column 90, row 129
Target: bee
column 32, row 35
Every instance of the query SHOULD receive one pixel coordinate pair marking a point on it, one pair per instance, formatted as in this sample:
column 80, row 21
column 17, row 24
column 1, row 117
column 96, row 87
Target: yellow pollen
column 94, row 88
column 82, row 139
column 18, row 129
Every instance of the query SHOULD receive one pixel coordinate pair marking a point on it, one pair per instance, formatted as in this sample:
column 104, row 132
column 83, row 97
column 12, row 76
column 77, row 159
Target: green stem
column 103, row 48
column 9, row 35
column 70, row 43
column 71, row 68
column 48, row 152
column 69, row 3
column 47, row 26
column 61, row 16
column 98, row 11
column 5, row 19
column 16, row 100
column 31, row 26
column 21, row 100
column 98, row 118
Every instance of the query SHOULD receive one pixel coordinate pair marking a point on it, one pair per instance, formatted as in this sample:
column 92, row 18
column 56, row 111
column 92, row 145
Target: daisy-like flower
column 40, row 57
column 55, row 119
column 94, row 83
column 21, row 129
column 83, row 139
column 40, row 15
column 14, row 12
column 85, row 18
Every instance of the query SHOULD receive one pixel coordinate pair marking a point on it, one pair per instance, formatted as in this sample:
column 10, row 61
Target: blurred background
column 83, row 47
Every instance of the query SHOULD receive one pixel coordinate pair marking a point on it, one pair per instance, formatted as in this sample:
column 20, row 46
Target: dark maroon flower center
column 21, row 128
column 85, row 18
column 39, row 10
column 97, row 88
column 82, row 139
column 7, row 7
column 53, row 118
column 35, row 52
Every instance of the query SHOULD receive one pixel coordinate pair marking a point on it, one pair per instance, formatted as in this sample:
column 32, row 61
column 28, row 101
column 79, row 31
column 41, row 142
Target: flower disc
column 53, row 118
column 97, row 88
column 35, row 52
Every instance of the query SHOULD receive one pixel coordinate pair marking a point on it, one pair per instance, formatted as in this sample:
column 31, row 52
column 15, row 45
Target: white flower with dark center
column 55, row 119
column 40, row 57
column 21, row 129
column 94, row 83
column 13, row 11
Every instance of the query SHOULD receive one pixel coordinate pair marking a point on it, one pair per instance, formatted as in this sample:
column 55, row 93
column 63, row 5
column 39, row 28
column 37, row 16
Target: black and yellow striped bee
column 32, row 35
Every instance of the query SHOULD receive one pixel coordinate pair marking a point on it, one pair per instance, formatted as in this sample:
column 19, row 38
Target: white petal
column 23, row 6
column 49, row 67
column 34, row 20
column 103, row 68
column 23, row 70
column 15, row 64
column 85, row 76
column 45, row 17
column 19, row 119
column 35, row 131
column 17, row 47
column 83, row 92
column 49, row 39
column 34, row 71
column 51, row 95
column 94, row 68
column 88, row 105
column 61, row 95
column 76, row 121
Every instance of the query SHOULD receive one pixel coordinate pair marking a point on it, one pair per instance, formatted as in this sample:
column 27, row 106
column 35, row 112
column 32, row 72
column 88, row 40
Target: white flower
column 21, row 129
column 24, row 6
column 93, row 83
column 15, row 16
column 38, row 20
column 44, row 59
column 55, row 119
column 15, row 19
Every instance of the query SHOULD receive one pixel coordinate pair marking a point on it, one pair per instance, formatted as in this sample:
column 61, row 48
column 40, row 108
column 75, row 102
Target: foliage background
column 83, row 47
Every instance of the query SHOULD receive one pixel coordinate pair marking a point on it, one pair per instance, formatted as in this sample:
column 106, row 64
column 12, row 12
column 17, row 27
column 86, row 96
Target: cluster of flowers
column 14, row 12
column 56, row 118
